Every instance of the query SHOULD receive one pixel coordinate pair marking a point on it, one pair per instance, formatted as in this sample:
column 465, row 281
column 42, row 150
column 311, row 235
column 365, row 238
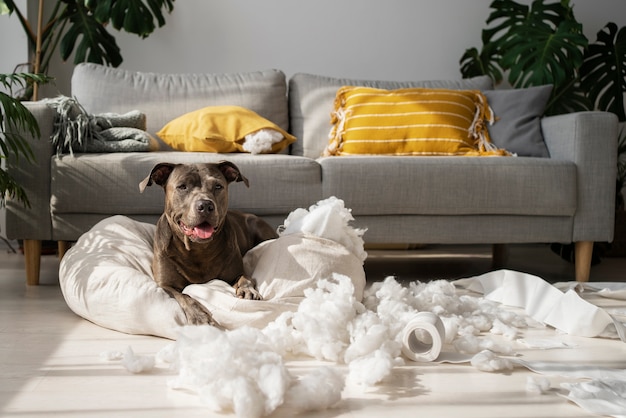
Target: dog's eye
column 182, row 187
column 218, row 187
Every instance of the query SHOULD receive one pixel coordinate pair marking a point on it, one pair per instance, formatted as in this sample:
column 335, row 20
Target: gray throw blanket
column 75, row 130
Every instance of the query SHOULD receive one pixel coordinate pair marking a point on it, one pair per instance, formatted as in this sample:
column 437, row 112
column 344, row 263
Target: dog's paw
column 248, row 292
column 246, row 289
column 197, row 314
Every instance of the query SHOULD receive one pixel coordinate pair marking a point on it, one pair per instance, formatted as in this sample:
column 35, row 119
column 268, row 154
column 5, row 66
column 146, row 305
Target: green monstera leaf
column 542, row 49
column 538, row 56
column 603, row 73
column 568, row 97
column 95, row 44
column 506, row 14
column 132, row 16
column 535, row 45
column 87, row 32
column 474, row 63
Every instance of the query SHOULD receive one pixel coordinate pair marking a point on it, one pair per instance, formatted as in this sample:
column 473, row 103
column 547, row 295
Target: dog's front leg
column 246, row 289
column 195, row 312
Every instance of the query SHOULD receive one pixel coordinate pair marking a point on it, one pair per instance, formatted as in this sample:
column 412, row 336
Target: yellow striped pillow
column 413, row 121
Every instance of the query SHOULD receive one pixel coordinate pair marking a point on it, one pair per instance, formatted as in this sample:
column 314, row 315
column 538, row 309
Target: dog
column 197, row 238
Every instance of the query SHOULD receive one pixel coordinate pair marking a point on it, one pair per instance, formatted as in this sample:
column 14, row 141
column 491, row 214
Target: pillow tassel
column 338, row 120
column 478, row 129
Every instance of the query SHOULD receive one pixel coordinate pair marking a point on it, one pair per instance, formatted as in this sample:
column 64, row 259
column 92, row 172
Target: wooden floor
column 50, row 358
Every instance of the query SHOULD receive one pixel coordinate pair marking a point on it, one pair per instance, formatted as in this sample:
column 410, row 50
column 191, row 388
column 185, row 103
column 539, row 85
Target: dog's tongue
column 204, row 230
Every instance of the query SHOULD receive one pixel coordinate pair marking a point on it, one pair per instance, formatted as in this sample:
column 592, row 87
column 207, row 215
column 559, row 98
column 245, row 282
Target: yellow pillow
column 218, row 129
column 413, row 121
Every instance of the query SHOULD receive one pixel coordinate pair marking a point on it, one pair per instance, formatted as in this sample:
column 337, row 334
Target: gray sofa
column 565, row 197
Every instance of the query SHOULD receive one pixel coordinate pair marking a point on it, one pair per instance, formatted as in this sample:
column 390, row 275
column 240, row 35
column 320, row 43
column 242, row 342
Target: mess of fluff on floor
column 331, row 325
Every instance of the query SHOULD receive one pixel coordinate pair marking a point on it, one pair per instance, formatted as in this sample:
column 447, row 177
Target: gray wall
column 13, row 44
column 391, row 39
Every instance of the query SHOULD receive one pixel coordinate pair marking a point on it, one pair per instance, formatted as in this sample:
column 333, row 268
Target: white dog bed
column 106, row 276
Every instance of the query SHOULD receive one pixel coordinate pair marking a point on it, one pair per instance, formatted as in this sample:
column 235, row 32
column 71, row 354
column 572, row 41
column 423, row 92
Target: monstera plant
column 80, row 27
column 543, row 43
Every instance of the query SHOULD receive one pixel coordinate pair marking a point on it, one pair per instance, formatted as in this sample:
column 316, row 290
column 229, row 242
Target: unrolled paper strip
column 567, row 312
column 423, row 337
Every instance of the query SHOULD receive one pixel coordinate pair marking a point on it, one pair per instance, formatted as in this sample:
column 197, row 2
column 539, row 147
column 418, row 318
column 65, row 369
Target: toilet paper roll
column 423, row 337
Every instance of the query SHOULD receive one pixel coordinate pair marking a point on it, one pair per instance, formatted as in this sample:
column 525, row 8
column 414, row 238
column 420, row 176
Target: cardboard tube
column 422, row 337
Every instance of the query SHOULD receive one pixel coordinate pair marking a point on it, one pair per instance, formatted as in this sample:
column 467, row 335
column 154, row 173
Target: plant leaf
column 138, row 16
column 537, row 54
column 15, row 122
column 9, row 188
column 603, row 73
column 474, row 64
column 567, row 98
column 95, row 45
column 5, row 7
column 506, row 14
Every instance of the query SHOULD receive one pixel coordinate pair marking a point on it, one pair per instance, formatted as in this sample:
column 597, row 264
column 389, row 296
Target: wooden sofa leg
column 583, row 251
column 62, row 247
column 32, row 260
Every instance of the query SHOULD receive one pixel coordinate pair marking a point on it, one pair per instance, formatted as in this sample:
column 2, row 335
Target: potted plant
column 81, row 27
column 543, row 43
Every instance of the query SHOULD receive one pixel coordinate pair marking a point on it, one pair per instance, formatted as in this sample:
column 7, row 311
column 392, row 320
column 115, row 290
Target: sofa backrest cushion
column 164, row 97
column 311, row 99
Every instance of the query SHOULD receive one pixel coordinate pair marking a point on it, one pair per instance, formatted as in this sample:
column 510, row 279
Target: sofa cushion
column 311, row 99
column 163, row 97
column 279, row 183
column 221, row 129
column 392, row 185
column 518, row 119
column 410, row 122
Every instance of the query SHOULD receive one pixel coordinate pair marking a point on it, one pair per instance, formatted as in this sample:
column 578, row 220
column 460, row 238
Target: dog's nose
column 204, row 206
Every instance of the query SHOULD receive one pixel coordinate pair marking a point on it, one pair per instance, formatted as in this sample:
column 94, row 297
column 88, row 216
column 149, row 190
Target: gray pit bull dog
column 198, row 238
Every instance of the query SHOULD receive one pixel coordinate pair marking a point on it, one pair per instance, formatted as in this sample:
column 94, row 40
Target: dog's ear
column 231, row 172
column 159, row 175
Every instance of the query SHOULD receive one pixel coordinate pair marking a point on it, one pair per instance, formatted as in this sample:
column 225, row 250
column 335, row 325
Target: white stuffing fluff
column 465, row 318
column 168, row 354
column 329, row 218
column 537, row 385
column 261, row 141
column 321, row 321
column 239, row 371
column 227, row 374
column 330, row 324
column 487, row 361
column 137, row 363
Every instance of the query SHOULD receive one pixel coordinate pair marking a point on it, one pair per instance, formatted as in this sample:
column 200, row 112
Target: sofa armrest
column 589, row 139
column 17, row 221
